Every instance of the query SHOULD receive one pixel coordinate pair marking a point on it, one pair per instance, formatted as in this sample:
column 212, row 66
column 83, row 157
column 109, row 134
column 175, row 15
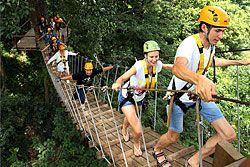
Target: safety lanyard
column 63, row 58
column 201, row 62
column 152, row 86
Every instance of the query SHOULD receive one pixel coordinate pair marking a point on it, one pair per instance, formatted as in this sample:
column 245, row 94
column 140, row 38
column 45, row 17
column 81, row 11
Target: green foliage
column 65, row 149
column 227, row 87
column 25, row 73
column 13, row 14
column 22, row 117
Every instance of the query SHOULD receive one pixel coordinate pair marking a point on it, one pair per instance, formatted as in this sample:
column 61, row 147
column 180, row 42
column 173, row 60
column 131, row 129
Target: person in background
column 47, row 36
column 59, row 21
column 61, row 58
column 52, row 25
column 53, row 47
column 42, row 26
column 86, row 78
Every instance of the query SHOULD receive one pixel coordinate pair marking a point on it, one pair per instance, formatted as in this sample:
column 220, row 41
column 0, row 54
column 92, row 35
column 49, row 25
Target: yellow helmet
column 214, row 16
column 53, row 38
column 61, row 47
column 88, row 66
column 49, row 29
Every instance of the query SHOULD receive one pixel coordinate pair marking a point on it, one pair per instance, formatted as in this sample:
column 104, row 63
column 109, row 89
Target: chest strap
column 63, row 59
column 200, row 69
column 152, row 86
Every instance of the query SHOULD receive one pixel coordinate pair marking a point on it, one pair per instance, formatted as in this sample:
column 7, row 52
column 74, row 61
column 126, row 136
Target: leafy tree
column 13, row 14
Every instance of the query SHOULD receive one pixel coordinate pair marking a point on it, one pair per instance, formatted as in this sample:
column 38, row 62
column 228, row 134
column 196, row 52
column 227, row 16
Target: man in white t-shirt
column 61, row 58
column 143, row 74
column 189, row 71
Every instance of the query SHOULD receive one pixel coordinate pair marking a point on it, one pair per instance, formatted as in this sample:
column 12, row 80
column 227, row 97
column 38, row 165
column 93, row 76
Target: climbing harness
column 152, row 85
column 201, row 70
column 63, row 59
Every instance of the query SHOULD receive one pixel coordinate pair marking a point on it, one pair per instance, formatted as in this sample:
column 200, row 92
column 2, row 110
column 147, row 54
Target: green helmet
column 150, row 46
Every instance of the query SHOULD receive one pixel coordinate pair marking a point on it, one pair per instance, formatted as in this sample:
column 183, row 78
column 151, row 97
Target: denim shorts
column 121, row 98
column 210, row 112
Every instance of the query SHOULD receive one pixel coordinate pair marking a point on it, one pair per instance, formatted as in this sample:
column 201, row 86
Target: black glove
column 115, row 66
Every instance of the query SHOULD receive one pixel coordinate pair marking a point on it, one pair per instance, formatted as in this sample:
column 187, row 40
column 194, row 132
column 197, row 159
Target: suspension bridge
column 101, row 123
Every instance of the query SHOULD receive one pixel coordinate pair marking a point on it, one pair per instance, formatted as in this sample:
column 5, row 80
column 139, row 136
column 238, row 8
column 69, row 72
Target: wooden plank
column 113, row 142
column 225, row 154
column 110, row 130
column 239, row 163
column 181, row 153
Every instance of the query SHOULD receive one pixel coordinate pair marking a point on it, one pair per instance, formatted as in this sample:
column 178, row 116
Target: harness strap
column 63, row 59
column 200, row 70
column 152, row 86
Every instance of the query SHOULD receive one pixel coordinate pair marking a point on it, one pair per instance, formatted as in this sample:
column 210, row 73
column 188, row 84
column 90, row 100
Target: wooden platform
column 28, row 41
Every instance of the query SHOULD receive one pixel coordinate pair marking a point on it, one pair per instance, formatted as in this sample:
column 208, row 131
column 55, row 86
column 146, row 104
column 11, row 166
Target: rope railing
column 87, row 118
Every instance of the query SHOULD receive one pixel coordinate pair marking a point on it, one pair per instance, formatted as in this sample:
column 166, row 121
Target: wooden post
column 83, row 135
column 91, row 145
column 78, row 127
column 225, row 154
column 99, row 154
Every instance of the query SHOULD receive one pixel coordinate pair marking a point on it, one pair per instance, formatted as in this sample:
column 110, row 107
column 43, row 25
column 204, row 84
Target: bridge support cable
column 91, row 115
column 70, row 99
column 142, row 134
column 104, row 128
column 71, row 103
column 118, row 107
column 118, row 134
column 198, row 128
column 100, row 82
column 78, row 64
column 116, row 71
column 67, row 102
column 74, row 104
column 107, row 83
column 156, row 86
column 238, row 113
column 71, row 92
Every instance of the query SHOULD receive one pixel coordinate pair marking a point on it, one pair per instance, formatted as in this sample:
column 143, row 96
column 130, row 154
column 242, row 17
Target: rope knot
column 104, row 89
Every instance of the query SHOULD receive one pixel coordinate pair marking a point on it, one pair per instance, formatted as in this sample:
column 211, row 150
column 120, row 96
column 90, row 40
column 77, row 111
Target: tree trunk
column 40, row 7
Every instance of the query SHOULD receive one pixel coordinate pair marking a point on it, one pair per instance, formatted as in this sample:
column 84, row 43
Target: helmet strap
column 209, row 27
column 146, row 57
